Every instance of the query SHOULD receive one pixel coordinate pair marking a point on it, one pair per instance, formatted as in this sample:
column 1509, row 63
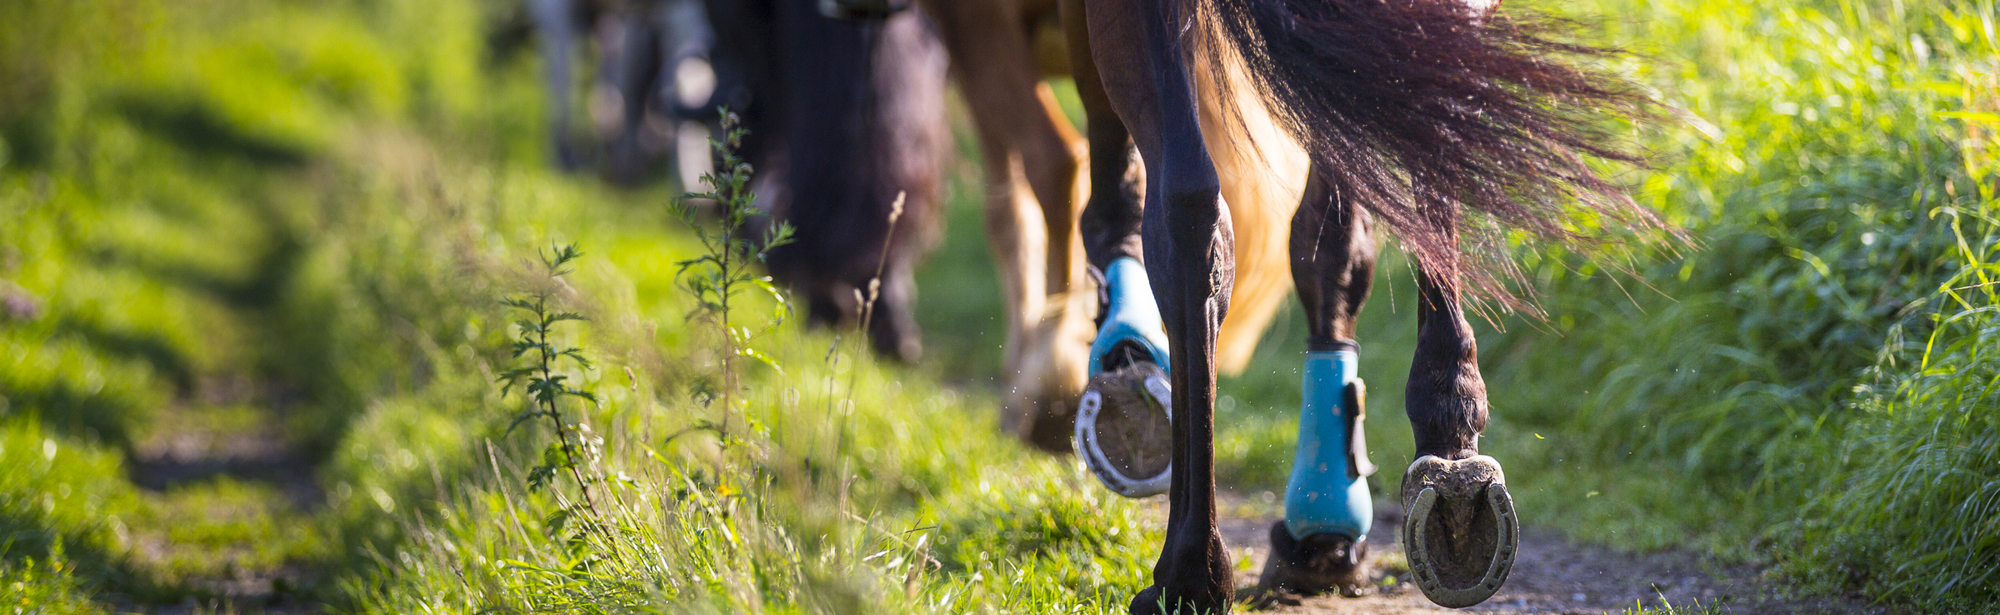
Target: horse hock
column 1461, row 532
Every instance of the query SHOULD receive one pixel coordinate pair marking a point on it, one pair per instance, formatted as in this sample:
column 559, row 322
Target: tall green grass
column 1735, row 397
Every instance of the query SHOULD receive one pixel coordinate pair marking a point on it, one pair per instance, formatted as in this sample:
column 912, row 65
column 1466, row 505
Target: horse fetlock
column 1194, row 576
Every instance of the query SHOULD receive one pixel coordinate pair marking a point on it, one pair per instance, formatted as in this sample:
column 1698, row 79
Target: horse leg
column 1185, row 228
column 1322, row 542
column 1460, row 532
column 1122, row 431
column 1032, row 183
column 1110, row 219
column 554, row 27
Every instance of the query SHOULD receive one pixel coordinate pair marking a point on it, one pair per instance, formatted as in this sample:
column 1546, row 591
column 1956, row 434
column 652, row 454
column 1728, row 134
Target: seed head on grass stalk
column 732, row 251
column 539, row 376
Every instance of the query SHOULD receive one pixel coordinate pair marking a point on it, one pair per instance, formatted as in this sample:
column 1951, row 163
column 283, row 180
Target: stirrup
column 1136, row 384
column 1477, row 483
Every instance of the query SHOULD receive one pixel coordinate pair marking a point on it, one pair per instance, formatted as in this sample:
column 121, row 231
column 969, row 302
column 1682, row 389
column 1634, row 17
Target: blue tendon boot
column 1123, row 432
column 1323, row 541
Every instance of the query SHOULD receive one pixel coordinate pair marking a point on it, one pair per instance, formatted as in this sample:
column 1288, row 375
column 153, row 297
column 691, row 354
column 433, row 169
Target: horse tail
column 1263, row 173
column 1421, row 110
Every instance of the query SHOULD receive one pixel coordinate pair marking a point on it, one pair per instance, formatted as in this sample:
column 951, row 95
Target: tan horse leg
column 1033, row 195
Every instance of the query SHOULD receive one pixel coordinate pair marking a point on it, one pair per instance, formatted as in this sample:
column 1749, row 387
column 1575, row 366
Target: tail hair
column 1422, row 109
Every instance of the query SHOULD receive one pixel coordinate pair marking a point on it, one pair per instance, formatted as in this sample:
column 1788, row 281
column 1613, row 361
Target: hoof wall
column 1316, row 564
column 1461, row 532
column 1123, row 433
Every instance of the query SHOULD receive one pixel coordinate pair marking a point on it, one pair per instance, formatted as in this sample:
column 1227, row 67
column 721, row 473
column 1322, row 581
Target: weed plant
column 539, row 377
column 728, row 264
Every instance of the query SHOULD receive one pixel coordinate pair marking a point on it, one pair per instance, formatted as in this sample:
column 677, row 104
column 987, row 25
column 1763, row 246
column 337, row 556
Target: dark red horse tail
column 1421, row 109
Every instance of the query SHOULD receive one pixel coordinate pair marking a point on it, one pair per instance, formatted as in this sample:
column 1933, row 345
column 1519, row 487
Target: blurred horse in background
column 848, row 139
column 653, row 97
column 846, row 131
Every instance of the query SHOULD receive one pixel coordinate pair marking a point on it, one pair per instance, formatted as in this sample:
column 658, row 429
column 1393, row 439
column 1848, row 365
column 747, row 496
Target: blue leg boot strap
column 1327, row 492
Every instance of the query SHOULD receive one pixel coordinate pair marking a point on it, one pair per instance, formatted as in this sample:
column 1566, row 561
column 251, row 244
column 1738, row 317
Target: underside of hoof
column 1123, row 433
column 1314, row 565
column 1461, row 532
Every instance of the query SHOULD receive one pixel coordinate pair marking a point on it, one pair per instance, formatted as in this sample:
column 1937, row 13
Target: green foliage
column 727, row 264
column 1807, row 179
column 63, row 503
column 545, row 388
column 1670, row 609
column 39, row 586
column 1914, row 476
column 1828, row 179
column 241, row 191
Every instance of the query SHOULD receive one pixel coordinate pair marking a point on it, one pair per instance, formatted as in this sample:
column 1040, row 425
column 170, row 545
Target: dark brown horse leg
column 1110, row 222
column 1322, row 542
column 1461, row 531
column 1187, row 247
column 1446, row 398
column 1333, row 262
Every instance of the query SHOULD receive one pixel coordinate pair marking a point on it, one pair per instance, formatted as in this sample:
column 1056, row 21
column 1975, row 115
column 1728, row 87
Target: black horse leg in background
column 1189, row 260
column 843, row 116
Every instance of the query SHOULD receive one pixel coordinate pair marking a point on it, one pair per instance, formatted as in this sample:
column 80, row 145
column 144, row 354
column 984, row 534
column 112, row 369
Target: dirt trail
column 231, row 548
column 1551, row 575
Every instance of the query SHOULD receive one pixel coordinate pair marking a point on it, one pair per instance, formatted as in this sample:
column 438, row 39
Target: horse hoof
column 1461, row 533
column 1123, row 433
column 1154, row 601
column 1317, row 564
column 1148, row 602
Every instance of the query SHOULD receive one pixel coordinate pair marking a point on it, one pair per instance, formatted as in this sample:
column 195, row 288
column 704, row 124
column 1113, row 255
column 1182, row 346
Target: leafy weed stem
column 541, row 379
column 726, row 267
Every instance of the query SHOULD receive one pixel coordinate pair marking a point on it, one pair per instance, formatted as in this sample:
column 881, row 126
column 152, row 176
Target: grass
column 299, row 219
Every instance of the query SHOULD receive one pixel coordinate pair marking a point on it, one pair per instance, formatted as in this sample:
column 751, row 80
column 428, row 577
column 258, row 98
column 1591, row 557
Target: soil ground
column 1551, row 575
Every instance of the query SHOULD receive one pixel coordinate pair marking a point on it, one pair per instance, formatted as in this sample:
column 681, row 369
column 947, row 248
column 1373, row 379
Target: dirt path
column 231, row 498
column 1551, row 575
